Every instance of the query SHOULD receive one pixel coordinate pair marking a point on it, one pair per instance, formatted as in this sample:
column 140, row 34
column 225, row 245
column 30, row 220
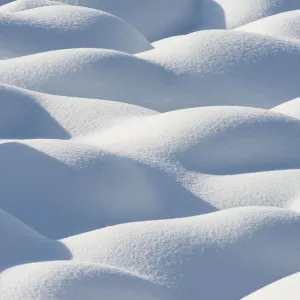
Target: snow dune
column 144, row 156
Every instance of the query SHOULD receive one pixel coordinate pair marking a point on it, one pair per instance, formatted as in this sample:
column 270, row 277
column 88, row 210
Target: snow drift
column 144, row 156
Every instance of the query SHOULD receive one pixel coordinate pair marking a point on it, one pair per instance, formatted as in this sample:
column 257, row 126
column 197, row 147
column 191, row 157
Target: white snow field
column 149, row 150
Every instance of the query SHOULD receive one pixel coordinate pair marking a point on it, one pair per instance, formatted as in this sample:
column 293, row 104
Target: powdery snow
column 284, row 25
column 219, row 255
column 183, row 74
column 76, row 281
column 63, row 27
column 149, row 149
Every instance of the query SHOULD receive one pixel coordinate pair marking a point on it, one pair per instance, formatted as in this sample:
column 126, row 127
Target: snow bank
column 224, row 255
column 63, row 27
column 75, row 281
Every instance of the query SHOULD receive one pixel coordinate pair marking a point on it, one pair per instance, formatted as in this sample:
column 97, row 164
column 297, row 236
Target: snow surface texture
column 144, row 156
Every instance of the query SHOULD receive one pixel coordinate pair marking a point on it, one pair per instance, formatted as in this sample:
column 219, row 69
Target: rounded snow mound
column 203, row 256
column 156, row 19
column 240, row 12
column 182, row 75
column 174, row 17
column 286, row 288
column 75, row 281
column 20, row 244
column 20, row 5
column 211, row 149
column 284, row 25
column 84, row 188
column 214, row 140
column 63, row 27
column 28, row 114
column 208, row 59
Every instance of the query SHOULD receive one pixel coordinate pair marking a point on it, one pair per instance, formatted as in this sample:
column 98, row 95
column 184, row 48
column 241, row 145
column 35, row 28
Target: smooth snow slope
column 76, row 281
column 219, row 255
column 20, row 5
column 145, row 157
column 63, row 27
column 180, row 74
column 58, row 117
column 21, row 244
column 173, row 17
column 284, row 25
column 290, row 108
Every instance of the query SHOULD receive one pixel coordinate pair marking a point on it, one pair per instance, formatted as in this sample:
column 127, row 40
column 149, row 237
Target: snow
column 23, row 244
column 20, row 5
column 284, row 25
column 149, row 149
column 58, row 117
column 203, row 255
column 76, row 281
column 167, row 78
column 290, row 108
column 174, row 17
column 30, row 31
column 286, row 288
